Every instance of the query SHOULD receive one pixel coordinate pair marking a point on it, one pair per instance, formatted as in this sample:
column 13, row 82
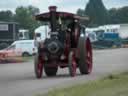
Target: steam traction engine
column 67, row 45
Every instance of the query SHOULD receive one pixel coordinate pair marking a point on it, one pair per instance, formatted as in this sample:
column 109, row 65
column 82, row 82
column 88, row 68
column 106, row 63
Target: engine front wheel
column 38, row 67
column 50, row 71
column 72, row 64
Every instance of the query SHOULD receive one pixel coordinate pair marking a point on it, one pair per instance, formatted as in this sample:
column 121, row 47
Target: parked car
column 21, row 48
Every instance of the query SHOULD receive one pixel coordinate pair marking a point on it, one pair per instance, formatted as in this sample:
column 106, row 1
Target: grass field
column 113, row 85
column 28, row 58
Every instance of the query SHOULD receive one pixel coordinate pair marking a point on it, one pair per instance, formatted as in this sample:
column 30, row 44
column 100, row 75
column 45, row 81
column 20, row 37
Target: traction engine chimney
column 52, row 10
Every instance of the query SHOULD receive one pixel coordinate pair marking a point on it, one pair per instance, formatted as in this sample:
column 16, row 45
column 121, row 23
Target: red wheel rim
column 88, row 55
column 39, row 69
column 73, row 65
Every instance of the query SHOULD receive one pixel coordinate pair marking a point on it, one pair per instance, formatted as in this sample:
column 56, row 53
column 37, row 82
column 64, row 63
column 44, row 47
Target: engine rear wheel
column 50, row 71
column 85, row 58
column 38, row 66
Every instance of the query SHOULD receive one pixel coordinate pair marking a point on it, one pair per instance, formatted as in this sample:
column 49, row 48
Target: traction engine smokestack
column 52, row 10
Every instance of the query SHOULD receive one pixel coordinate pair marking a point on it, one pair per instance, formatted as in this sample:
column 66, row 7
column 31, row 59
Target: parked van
column 21, row 48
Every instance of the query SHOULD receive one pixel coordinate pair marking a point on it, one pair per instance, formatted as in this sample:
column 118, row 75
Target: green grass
column 27, row 58
column 113, row 85
column 22, row 59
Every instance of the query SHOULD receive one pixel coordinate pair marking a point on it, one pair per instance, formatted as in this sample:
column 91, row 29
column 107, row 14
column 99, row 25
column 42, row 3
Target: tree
column 33, row 11
column 25, row 17
column 114, row 18
column 119, row 15
column 6, row 15
column 123, row 14
column 80, row 12
column 97, row 12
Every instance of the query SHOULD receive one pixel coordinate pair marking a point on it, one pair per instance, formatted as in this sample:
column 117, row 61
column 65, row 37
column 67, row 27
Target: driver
column 71, row 25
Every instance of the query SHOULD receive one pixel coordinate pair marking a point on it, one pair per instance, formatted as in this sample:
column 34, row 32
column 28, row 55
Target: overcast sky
column 64, row 5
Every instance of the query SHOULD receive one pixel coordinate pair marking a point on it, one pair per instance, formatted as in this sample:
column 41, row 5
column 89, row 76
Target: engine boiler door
column 53, row 47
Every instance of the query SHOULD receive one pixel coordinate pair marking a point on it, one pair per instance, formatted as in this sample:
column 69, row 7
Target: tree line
column 99, row 15
column 24, row 16
column 95, row 9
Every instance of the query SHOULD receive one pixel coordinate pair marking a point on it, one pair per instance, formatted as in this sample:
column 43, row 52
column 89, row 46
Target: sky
column 63, row 5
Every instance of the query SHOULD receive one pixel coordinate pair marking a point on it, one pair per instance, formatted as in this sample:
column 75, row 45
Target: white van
column 21, row 48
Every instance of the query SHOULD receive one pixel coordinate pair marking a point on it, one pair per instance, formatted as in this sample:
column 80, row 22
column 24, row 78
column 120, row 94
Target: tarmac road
column 19, row 79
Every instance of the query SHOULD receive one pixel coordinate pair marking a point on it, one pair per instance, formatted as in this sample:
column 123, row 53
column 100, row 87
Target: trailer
column 8, row 33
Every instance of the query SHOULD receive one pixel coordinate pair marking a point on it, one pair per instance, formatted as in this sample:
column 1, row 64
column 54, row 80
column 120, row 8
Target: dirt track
column 19, row 79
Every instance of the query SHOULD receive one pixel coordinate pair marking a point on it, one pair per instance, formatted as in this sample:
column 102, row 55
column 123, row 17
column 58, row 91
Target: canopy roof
column 62, row 15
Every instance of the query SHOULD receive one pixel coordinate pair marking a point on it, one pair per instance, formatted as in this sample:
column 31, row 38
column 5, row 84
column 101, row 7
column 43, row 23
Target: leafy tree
column 97, row 12
column 80, row 12
column 25, row 17
column 33, row 11
column 114, row 18
column 119, row 15
column 6, row 15
column 123, row 14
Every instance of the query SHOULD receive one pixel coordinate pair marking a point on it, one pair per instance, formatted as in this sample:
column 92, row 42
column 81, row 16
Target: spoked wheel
column 88, row 55
column 38, row 67
column 50, row 71
column 85, row 58
column 72, row 64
